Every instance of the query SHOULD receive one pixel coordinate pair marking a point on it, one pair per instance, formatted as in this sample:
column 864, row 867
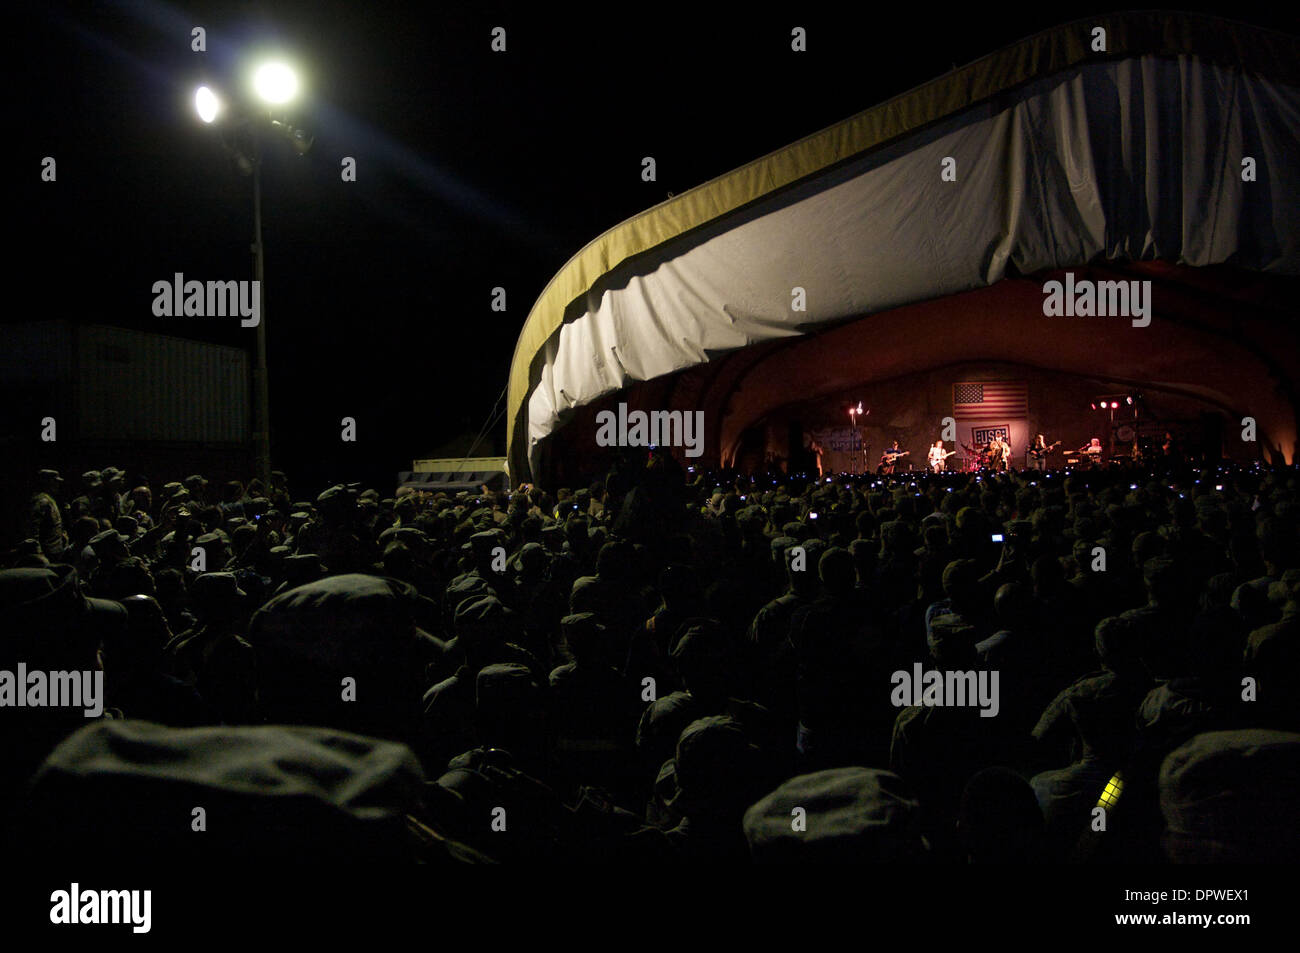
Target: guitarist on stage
column 1006, row 454
column 999, row 455
column 1038, row 452
column 890, row 457
column 937, row 456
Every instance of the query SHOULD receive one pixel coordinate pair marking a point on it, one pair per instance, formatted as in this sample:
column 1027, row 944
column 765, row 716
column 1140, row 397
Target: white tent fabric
column 1135, row 158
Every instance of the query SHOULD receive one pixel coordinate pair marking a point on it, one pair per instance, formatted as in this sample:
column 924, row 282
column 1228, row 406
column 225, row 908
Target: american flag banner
column 990, row 400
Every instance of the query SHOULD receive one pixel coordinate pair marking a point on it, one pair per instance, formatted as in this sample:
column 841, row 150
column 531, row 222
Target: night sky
column 475, row 169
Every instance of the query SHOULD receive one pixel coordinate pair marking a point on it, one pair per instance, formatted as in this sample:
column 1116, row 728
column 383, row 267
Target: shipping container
column 117, row 385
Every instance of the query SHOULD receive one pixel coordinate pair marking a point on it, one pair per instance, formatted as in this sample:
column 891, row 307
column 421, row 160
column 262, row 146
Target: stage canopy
column 1129, row 147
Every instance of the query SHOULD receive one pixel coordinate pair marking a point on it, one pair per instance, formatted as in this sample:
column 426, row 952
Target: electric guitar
column 1035, row 453
column 936, row 461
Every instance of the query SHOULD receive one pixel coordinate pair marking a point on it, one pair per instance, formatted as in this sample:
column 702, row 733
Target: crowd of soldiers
column 662, row 666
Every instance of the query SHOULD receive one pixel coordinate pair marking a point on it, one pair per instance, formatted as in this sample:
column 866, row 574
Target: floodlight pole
column 854, row 452
column 261, row 388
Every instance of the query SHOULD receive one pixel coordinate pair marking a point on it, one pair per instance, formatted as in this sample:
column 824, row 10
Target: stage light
column 207, row 104
column 1130, row 400
column 275, row 83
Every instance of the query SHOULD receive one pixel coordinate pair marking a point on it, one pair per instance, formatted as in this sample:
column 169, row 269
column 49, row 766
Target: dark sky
column 475, row 169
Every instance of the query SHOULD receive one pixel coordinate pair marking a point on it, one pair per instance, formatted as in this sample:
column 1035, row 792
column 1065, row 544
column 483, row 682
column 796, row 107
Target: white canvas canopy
column 1057, row 155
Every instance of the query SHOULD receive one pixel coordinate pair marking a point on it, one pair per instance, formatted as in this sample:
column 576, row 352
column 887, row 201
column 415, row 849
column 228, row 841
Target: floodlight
column 207, row 104
column 275, row 83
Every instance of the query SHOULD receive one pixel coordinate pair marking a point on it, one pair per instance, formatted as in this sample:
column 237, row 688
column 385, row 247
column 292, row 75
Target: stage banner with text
column 985, row 410
column 841, row 449
column 839, row 439
column 976, row 435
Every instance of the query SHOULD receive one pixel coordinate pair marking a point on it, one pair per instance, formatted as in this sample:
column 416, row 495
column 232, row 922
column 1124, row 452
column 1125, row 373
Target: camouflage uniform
column 45, row 523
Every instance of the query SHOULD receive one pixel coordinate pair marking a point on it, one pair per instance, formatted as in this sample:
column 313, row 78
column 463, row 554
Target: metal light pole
column 1110, row 440
column 858, row 454
column 261, row 390
column 275, row 84
column 854, row 441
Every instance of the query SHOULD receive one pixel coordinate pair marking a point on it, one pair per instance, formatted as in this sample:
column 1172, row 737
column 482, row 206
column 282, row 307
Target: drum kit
column 975, row 461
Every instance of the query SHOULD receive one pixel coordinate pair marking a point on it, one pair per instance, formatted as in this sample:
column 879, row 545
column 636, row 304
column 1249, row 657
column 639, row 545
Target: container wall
column 140, row 387
column 34, row 352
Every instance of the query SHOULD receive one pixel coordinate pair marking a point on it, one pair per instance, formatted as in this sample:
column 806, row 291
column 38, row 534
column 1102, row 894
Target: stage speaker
column 1212, row 436
column 801, row 458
